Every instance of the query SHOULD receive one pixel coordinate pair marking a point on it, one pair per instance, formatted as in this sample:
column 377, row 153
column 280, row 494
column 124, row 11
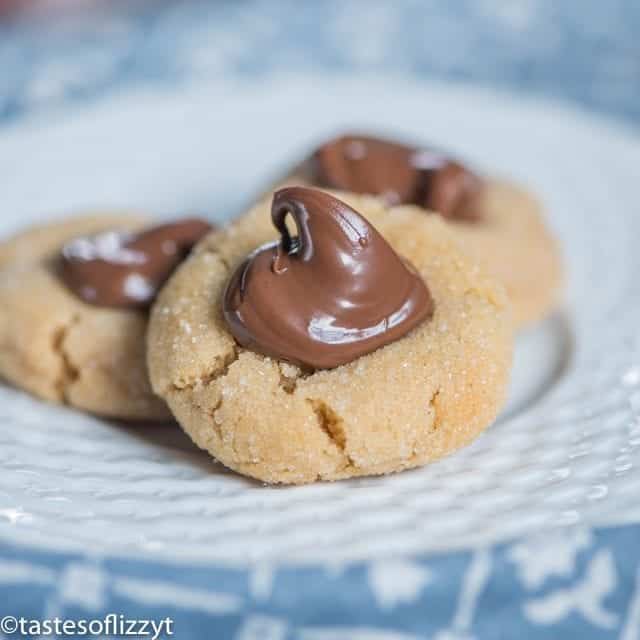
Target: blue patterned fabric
column 572, row 584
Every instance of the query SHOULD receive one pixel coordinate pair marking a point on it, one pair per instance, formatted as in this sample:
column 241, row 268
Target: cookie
column 499, row 224
column 66, row 349
column 512, row 242
column 411, row 401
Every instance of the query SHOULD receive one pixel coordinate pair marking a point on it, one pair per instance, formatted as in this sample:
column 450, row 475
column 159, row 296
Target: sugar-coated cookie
column 512, row 242
column 409, row 402
column 58, row 340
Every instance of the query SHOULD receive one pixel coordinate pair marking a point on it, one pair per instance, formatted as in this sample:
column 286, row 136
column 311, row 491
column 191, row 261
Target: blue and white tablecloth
column 575, row 583
column 570, row 584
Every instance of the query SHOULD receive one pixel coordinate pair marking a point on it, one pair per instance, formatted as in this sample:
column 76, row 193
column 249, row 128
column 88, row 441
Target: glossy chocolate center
column 124, row 270
column 398, row 173
column 331, row 293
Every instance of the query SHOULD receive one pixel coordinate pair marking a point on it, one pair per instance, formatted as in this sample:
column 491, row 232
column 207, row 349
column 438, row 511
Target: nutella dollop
column 331, row 293
column 125, row 270
column 399, row 173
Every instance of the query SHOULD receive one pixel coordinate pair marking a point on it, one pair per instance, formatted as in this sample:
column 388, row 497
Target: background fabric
column 571, row 584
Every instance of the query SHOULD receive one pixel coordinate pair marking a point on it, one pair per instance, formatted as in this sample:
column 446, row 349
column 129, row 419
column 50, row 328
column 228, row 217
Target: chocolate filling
column 331, row 293
column 124, row 270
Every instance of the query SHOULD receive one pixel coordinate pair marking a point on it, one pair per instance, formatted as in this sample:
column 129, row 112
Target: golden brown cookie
column 59, row 348
column 403, row 405
column 512, row 242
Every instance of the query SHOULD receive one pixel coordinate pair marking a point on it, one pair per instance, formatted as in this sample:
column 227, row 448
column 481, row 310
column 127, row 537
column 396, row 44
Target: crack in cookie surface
column 333, row 426
column 69, row 373
column 289, row 376
column 217, row 372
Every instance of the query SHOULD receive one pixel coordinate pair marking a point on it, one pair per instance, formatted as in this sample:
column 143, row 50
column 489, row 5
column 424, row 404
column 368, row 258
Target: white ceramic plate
column 567, row 448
